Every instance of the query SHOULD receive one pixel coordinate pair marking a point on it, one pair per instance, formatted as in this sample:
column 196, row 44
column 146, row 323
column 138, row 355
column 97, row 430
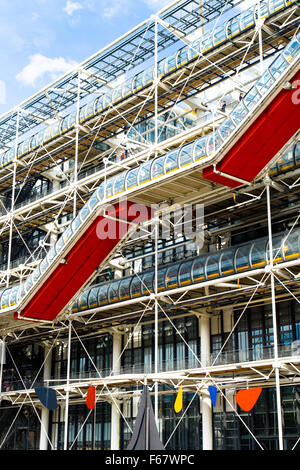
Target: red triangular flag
column 91, row 398
column 246, row 399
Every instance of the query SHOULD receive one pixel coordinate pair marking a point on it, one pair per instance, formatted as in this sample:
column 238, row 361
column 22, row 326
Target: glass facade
column 231, row 433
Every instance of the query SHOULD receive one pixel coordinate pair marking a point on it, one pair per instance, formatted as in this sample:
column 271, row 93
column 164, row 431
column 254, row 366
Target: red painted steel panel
column 82, row 261
column 260, row 143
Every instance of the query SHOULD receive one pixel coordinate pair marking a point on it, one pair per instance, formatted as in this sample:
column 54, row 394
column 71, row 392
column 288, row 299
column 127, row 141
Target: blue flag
column 47, row 397
column 213, row 394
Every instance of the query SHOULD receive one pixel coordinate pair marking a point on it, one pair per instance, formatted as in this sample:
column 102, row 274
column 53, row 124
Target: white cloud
column 40, row 66
column 71, row 7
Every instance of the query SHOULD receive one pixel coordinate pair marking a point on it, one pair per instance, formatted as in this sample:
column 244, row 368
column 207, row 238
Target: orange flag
column 91, row 398
column 246, row 399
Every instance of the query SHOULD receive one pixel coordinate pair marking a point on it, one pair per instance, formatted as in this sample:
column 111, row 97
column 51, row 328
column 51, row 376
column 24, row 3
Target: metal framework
column 78, row 161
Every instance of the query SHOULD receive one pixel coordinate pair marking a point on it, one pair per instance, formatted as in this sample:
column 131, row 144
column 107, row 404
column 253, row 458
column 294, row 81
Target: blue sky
column 42, row 39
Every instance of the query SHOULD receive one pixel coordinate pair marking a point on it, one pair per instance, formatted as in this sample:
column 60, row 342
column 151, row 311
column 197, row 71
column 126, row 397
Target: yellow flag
column 178, row 401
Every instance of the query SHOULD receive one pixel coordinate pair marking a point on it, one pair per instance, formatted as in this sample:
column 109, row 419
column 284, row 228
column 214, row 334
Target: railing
column 258, row 353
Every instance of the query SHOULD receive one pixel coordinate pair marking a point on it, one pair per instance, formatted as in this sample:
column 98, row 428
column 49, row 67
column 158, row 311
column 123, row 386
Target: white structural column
column 205, row 340
column 67, row 389
column 206, row 406
column 45, row 411
column 115, row 413
column 207, row 429
column 275, row 329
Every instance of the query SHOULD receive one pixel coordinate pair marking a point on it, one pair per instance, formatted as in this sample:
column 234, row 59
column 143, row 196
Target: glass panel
column 264, row 10
column 93, row 297
column 227, row 263
column 93, row 201
column 206, row 42
column 239, row 112
column 109, row 186
column 32, row 144
column 186, row 155
column 219, row 35
column 251, row 98
column 277, row 243
column 113, row 293
column 127, row 88
column 125, row 289
column 157, row 168
column 195, row 48
column 291, row 50
column 264, row 83
column 71, row 120
column 212, row 266
column 107, row 99
column 119, row 183
column 226, row 128
column 247, row 19
column 148, row 76
column 233, row 27
column 51, row 255
column 47, row 134
column 55, row 129
column 200, row 148
column 44, row 264
column 84, row 213
column 75, row 307
column 171, row 63
column 185, row 273
column 213, row 143
column 242, row 255
column 172, row 276
column 117, row 94
column 138, row 84
column 182, row 57
column 198, row 270
column 102, row 295
column 161, row 68
column 36, row 274
column 135, row 287
column 100, row 192
column 131, row 179
column 82, row 301
column 277, row 67
column 147, row 283
column 5, row 298
column 76, row 223
column 13, row 296
column 28, row 283
column 82, row 113
column 144, row 173
column 258, row 253
column 286, row 162
column 275, row 5
column 99, row 104
column 291, row 245
column 161, row 279
column 64, row 125
column 24, row 147
column 40, row 138
column 171, row 161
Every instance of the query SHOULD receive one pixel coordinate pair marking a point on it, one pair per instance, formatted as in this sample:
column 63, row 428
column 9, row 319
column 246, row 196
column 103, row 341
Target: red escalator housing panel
column 274, row 127
column 81, row 262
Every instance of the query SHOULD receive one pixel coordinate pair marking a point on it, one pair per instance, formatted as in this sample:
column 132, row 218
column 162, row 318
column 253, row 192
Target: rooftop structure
column 150, row 234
